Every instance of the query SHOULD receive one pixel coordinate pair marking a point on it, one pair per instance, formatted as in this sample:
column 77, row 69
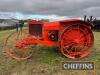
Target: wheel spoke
column 76, row 42
column 11, row 46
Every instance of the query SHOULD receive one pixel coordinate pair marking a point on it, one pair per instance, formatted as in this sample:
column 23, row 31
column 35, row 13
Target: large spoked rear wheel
column 76, row 41
column 13, row 46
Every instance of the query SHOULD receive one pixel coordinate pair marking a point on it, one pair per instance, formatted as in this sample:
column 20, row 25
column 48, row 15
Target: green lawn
column 45, row 60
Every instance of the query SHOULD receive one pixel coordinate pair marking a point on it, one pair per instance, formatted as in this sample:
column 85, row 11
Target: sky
column 61, row 9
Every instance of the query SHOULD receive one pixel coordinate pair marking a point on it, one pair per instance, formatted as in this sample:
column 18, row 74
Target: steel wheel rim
column 86, row 41
column 11, row 49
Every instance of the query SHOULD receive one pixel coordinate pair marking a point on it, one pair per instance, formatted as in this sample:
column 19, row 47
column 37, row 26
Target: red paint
column 71, row 33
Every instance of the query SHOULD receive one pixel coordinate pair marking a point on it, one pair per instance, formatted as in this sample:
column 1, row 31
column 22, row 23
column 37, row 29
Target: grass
column 45, row 60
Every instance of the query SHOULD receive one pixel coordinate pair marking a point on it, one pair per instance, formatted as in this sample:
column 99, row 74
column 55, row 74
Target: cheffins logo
column 78, row 65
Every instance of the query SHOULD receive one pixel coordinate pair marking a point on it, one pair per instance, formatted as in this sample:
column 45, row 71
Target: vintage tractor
column 74, row 38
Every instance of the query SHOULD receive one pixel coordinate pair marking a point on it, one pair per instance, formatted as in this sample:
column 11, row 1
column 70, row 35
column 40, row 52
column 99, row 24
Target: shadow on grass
column 49, row 55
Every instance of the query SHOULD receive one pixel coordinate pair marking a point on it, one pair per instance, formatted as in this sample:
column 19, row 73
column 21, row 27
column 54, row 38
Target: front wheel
column 15, row 48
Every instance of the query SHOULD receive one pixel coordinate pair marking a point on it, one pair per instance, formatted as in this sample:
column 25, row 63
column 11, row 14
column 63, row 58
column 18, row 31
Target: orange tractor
column 74, row 37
